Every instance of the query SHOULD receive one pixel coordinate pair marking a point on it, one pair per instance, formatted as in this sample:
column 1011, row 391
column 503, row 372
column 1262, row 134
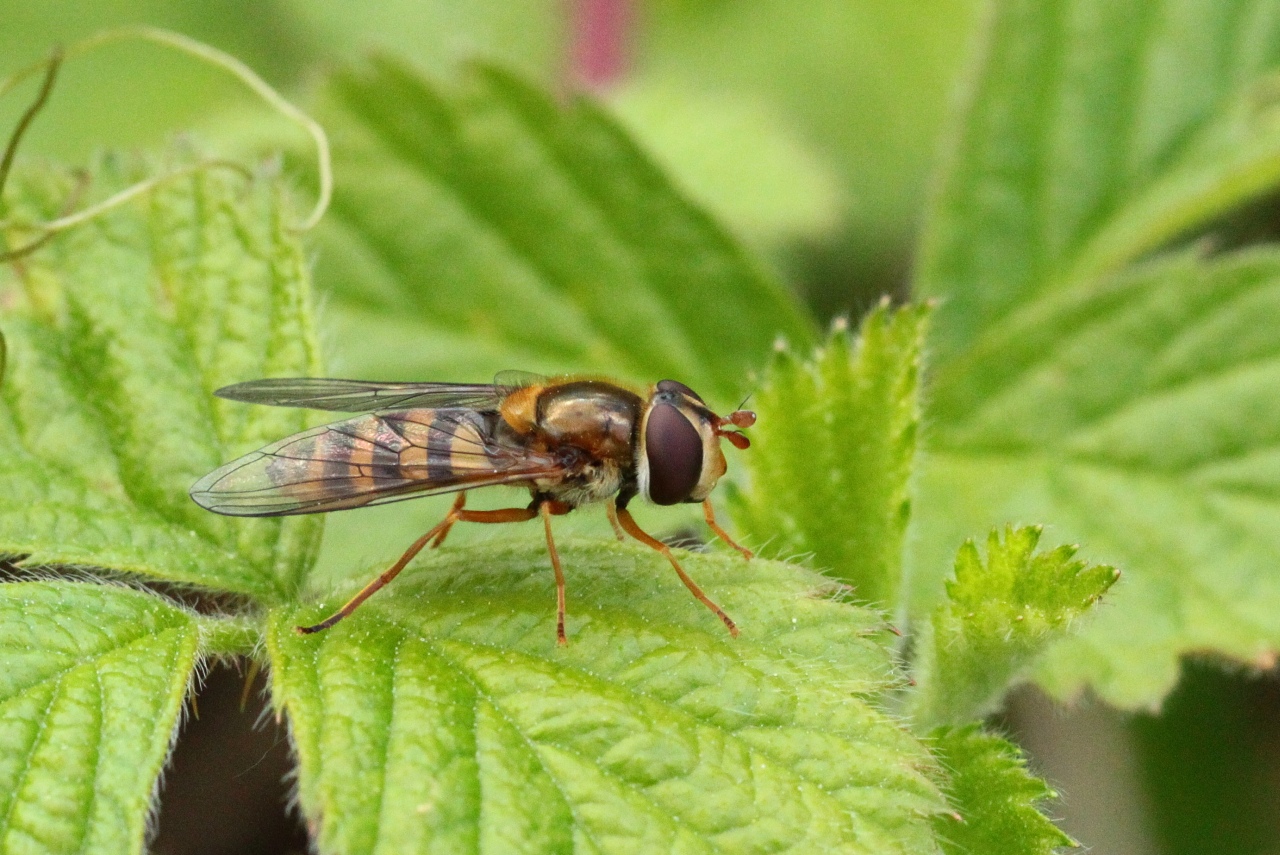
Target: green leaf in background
column 118, row 333
column 833, row 450
column 738, row 158
column 864, row 85
column 1134, row 413
column 90, row 692
column 1160, row 457
column 137, row 96
column 1150, row 121
column 442, row 716
column 999, row 615
column 440, row 35
column 491, row 228
column 996, row 799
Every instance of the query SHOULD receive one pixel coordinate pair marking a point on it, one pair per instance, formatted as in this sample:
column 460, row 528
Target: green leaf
column 737, row 156
column 442, row 716
column 866, row 83
column 90, row 692
column 485, row 219
column 996, row 799
column 1159, row 457
column 1132, row 411
column 833, row 449
column 118, row 333
column 438, row 34
column 1094, row 132
column 1000, row 614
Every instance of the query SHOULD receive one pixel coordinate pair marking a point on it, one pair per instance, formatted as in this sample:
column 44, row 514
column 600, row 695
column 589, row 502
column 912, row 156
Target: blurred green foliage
column 1129, row 401
column 835, row 109
column 285, row 41
column 867, row 85
column 805, row 123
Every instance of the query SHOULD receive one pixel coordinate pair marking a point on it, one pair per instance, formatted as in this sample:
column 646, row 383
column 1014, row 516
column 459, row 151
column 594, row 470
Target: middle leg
column 611, row 509
column 437, row 532
column 545, row 509
column 458, row 504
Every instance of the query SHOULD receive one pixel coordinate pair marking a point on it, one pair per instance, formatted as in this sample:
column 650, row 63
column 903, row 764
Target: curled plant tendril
column 53, row 227
column 73, row 199
column 51, row 75
column 187, row 45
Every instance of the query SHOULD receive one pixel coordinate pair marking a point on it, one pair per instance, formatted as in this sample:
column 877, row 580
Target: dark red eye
column 674, row 450
column 677, row 386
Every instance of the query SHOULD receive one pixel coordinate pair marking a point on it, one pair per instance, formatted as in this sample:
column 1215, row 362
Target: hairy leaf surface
column 833, row 450
column 1132, row 411
column 118, row 333
column 443, row 716
column 90, row 692
column 997, row 801
column 1000, row 614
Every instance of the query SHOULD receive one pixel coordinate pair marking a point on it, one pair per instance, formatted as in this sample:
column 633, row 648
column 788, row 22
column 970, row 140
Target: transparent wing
column 373, row 459
column 354, row 396
column 510, row 380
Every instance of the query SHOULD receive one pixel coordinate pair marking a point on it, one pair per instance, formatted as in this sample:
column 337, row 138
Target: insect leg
column 386, row 576
column 611, row 508
column 457, row 514
column 546, row 510
column 458, row 504
column 629, row 524
column 710, row 516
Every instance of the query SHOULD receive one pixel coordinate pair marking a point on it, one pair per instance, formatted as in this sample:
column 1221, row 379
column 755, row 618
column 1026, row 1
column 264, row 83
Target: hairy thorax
column 591, row 426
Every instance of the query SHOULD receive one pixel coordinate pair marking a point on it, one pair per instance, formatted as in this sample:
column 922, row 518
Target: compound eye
column 677, row 386
column 674, row 451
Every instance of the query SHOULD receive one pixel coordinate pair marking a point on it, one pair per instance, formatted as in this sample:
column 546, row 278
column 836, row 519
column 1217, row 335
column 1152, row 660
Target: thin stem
column 229, row 636
column 226, row 62
column 53, row 227
column 51, row 74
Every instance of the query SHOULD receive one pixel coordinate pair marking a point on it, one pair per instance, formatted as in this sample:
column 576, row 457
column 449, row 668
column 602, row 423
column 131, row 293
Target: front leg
column 710, row 516
column 629, row 523
column 611, row 509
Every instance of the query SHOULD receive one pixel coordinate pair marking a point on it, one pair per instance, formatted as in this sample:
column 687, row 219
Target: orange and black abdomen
column 414, row 445
column 371, row 458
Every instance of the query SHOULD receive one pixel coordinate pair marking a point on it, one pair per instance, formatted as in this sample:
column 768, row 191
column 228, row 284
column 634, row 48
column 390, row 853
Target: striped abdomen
column 371, row 459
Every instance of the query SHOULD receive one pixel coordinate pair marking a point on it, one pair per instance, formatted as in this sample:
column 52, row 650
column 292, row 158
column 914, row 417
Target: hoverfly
column 570, row 440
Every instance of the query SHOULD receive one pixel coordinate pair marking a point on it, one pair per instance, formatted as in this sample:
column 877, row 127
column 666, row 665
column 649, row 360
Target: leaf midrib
column 1176, row 480
column 1165, row 392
